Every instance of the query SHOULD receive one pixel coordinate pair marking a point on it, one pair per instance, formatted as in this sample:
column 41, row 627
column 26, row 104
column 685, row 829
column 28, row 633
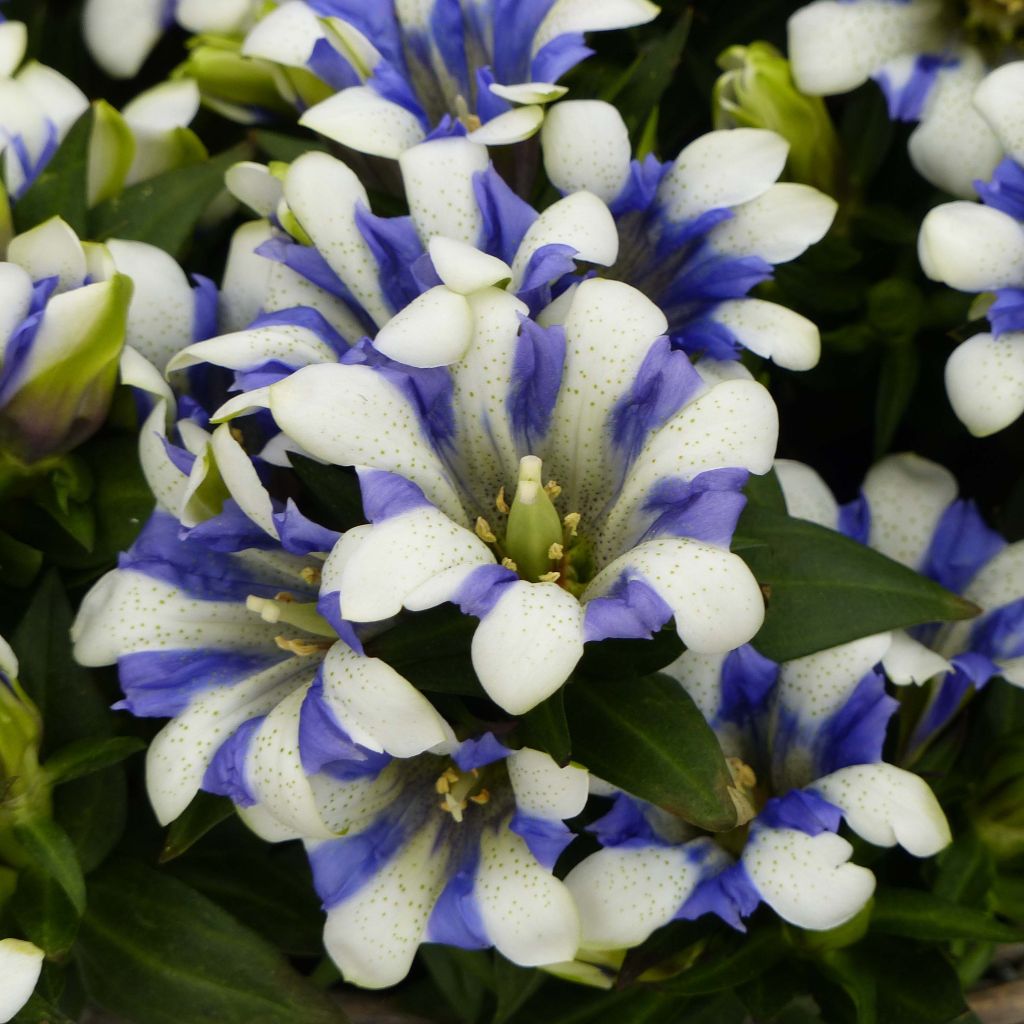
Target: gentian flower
column 381, row 77
column 929, row 58
column 698, row 233
column 21, row 963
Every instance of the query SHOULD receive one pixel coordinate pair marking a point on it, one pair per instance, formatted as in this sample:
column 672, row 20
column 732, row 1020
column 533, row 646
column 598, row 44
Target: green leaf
column 41, row 1011
column 205, row 812
column 19, row 563
column 915, row 914
column 332, row 491
column 164, row 210
column 648, row 737
column 62, row 187
column 626, row 659
column 895, row 388
column 513, row 986
column 545, row 728
column 83, row 757
column 464, row 977
column 766, row 491
column 965, row 870
column 155, row 951
column 93, row 811
column 914, row 985
column 44, row 912
column 286, row 148
column 730, row 962
column 823, row 589
column 52, row 852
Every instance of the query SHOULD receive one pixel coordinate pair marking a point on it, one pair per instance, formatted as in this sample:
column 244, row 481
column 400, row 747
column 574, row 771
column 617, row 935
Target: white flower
column 20, row 965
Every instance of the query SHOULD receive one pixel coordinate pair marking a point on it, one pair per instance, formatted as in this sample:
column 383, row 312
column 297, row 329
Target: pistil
column 533, row 523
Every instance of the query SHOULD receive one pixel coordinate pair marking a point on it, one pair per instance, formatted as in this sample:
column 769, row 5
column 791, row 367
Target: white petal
column 567, row 16
column 953, row 146
column 242, row 480
column 181, row 752
column 1000, row 581
column 528, row 644
column 834, row 46
column 513, row 125
column 886, row 805
column 778, row 225
column 716, row 601
column 438, row 178
column 377, row 707
column 163, row 108
column 260, row 821
column 1012, row 670
column 121, row 37
column 323, row 193
column 58, row 97
column 246, row 276
column 529, row 92
column 338, row 557
column 586, row 148
column 807, row 880
column 542, row 789
column 998, row 99
column 786, row 338
column 722, row 169
column 50, row 250
column 241, row 405
column 254, row 185
column 985, row 382
column 526, row 912
column 8, row 660
column 374, row 934
column 353, row 804
column 401, row 554
column 465, row 269
column 15, row 298
column 907, row 495
column 908, row 661
column 221, row 18
column 162, row 310
column 361, row 118
column 13, row 41
column 435, row 329
column 624, row 893
column 20, row 966
column 971, row 247
column 20, row 116
column 580, row 220
column 165, row 480
column 285, row 35
column 352, row 416
column 242, row 350
column 807, row 495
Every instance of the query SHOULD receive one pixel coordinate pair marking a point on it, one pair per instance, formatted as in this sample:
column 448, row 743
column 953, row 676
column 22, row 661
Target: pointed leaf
column 915, row 914
column 83, row 757
column 52, row 852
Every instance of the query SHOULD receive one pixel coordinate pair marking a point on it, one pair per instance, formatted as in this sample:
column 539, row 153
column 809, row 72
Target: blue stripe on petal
column 536, row 379
column 205, row 297
column 855, row 734
column 448, row 32
column 717, row 278
column 488, row 104
column 19, row 343
column 386, row 495
column 704, row 337
column 631, row 609
column 307, row 317
column 515, row 26
column 855, row 519
column 625, row 824
column 455, row 919
column 300, row 535
column 1000, row 633
column 1005, row 191
column 180, row 458
column 748, row 679
column 706, row 508
column 558, row 56
column 31, row 169
column 506, row 217
column 329, row 606
column 341, row 867
column 225, row 774
column 331, row 67
column 545, row 837
column 641, row 188
column 961, row 544
column 391, row 84
column 729, row 894
column 801, row 809
column 396, row 247
column 546, row 264
column 906, row 100
column 477, row 753
column 1007, row 312
column 229, row 531
column 376, row 21
column 483, row 588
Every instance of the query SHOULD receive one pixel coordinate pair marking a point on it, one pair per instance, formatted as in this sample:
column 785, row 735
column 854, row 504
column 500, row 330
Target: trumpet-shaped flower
column 698, row 233
column 929, row 58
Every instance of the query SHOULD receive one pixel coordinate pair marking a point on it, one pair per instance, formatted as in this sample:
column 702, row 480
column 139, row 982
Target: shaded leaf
column 44, row 912
column 53, row 853
column 85, row 756
column 205, row 812
column 915, row 914
column 730, row 962
column 545, row 728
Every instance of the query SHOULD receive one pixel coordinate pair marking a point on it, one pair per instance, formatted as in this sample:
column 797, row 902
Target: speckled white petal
column 807, row 495
column 908, row 661
column 290, row 344
column 907, row 495
column 586, row 148
column 165, row 480
column 722, row 169
column 15, row 298
column 543, row 790
column 332, row 571
column 985, row 382
column 886, row 805
column 353, row 416
column 513, row 125
column 13, row 40
column 58, row 97
column 834, row 46
column 374, row 934
column 120, row 37
column 222, row 17
column 285, row 35
column 624, row 893
column 580, row 220
column 438, row 178
column 954, row 146
column 998, row 98
column 246, row 276
column 162, row 309
column 324, row 193
column 253, row 184
column 363, row 119
column 591, row 16
column 1000, row 581
column 181, row 752
column 50, row 250
column 377, row 707
column 241, row 479
column 401, row 554
column 529, row 92
column 609, row 330
column 786, row 338
column 716, row 601
column 526, row 912
column 242, row 405
column 435, row 329
column 528, row 644
column 263, row 824
column 778, row 225
column 971, row 247
column 807, row 880
column 465, row 269
column 20, row 966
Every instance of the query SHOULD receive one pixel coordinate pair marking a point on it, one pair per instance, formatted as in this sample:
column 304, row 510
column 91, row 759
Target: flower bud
column 23, row 789
column 757, row 90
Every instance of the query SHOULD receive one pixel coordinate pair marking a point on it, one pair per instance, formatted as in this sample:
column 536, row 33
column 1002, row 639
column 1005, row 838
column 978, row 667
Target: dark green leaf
column 965, row 870
column 164, row 210
column 824, row 589
column 513, row 986
column 545, row 728
column 867, row 132
column 766, row 491
column 44, row 912
column 624, row 659
column 915, row 986
column 62, row 187
column 92, row 810
column 19, row 563
column 41, row 1011
column 648, row 737
column 52, row 852
column 333, row 495
column 204, row 813
column 464, row 977
column 157, row 952
column 85, row 756
column 730, row 962
column 895, row 387
column 915, row 914
column 287, row 148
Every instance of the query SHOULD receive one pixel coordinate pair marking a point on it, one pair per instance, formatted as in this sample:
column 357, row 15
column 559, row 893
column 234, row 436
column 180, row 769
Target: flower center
column 284, row 609
column 458, row 789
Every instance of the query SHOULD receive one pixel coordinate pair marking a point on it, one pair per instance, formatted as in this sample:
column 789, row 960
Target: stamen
column 549, row 577
column 509, row 564
column 311, row 575
column 742, row 791
column 500, row 503
column 572, row 523
column 285, row 597
column 555, row 552
column 482, row 797
column 302, row 647
column 553, row 489
column 484, row 531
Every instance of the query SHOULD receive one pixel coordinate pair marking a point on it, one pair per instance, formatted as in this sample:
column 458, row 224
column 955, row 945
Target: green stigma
column 534, row 526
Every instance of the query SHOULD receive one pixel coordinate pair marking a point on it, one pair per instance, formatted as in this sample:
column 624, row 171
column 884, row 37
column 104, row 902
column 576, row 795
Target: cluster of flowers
column 550, row 426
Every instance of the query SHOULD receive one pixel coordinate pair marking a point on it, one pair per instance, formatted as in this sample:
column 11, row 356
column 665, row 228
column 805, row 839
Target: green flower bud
column 757, row 91
column 534, row 525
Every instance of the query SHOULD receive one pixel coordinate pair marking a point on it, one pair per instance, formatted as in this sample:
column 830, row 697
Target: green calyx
column 534, row 526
